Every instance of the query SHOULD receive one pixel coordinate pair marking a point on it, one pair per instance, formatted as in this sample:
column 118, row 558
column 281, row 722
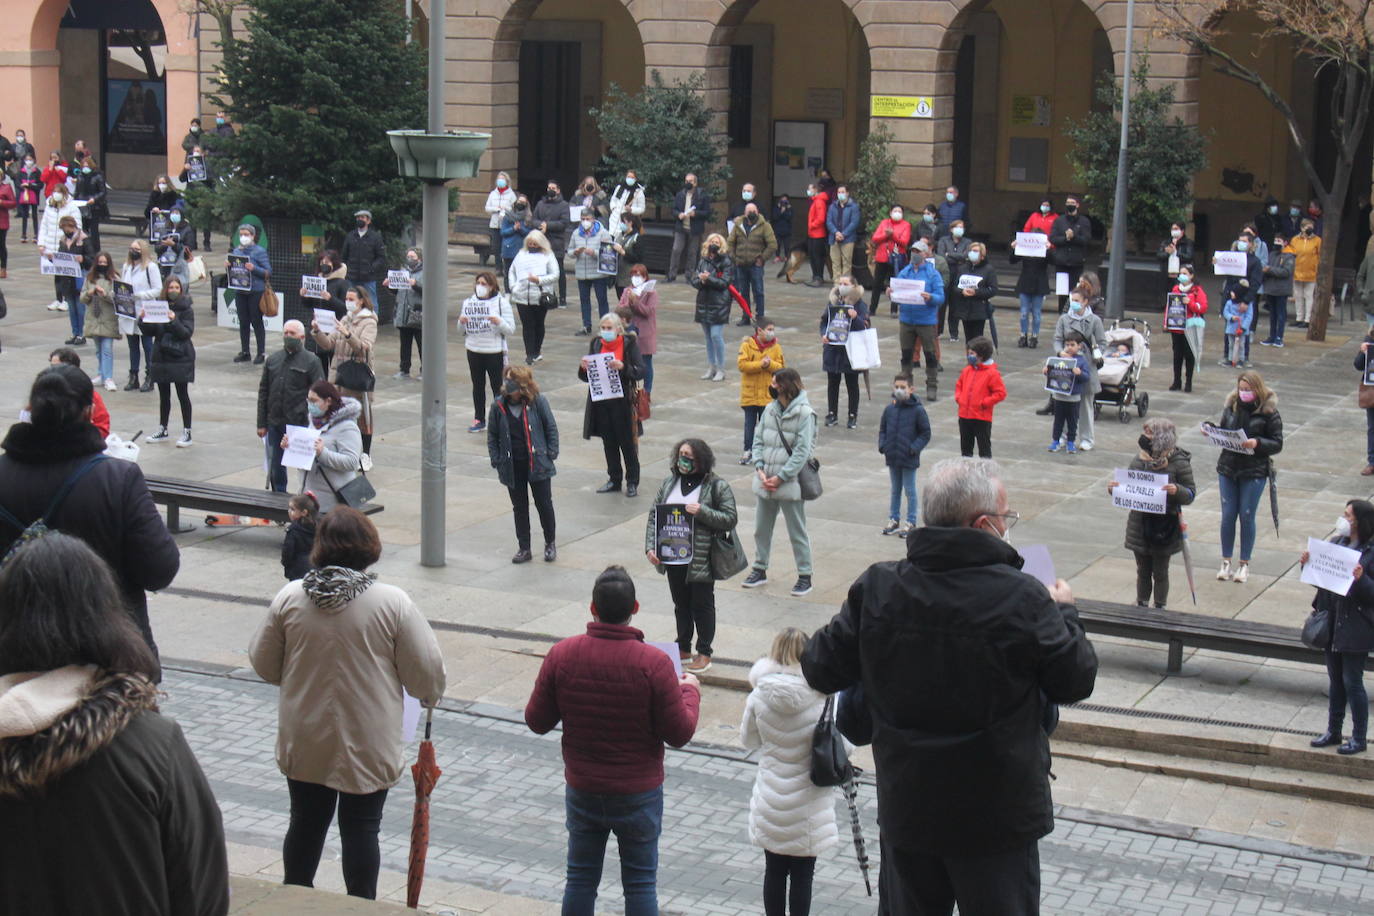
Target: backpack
column 40, row 526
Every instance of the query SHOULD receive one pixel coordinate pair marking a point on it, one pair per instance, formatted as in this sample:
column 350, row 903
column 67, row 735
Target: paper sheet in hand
column 575, row 213
column 1229, row 263
column 314, row 287
column 410, row 716
column 398, row 279
column 838, row 331
column 607, row 259
column 326, row 320
column 155, row 311
column 1061, row 284
column 59, row 264
column 1142, row 491
column 908, row 292
column 1369, row 372
column 969, row 281
column 1229, row 439
column 300, row 447
column 195, row 170
column 480, row 314
column 1036, row 562
column 1032, row 245
column 602, row 381
column 670, row 649
column 1330, row 566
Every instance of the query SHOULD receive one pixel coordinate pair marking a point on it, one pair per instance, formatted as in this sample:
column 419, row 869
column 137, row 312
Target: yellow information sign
column 902, row 106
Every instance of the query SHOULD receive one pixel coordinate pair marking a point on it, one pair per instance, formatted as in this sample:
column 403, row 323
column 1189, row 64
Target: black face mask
column 1144, row 443
column 511, row 388
column 135, row 256
column 773, row 392
column 687, row 186
column 362, row 224
column 713, row 250
column 551, row 193
column 752, row 218
column 1071, row 210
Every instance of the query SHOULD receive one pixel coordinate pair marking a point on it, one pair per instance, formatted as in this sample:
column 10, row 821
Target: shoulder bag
column 355, row 375
column 727, row 553
column 830, row 764
column 1316, row 630
column 1366, row 391
column 356, row 493
column 809, row 477
column 269, row 303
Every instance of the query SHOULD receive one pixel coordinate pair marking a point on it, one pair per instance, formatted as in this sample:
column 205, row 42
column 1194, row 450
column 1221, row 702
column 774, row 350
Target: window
column 739, row 124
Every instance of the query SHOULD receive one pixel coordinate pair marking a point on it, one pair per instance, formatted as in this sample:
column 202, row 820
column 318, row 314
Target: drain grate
column 1194, row 720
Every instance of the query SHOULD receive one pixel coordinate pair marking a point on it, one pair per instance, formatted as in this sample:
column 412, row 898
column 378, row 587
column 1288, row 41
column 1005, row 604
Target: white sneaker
column 708, row 374
column 54, row 305
column 61, row 306
column 366, row 462
column 185, row 440
column 1225, row 572
column 719, row 376
column 110, row 385
column 1242, row 574
column 1086, row 445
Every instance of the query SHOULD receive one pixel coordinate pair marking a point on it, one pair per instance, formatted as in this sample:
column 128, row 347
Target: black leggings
column 250, row 315
column 532, row 328
column 27, row 212
column 832, row 392
column 520, row 503
column 4, row 251
column 778, row 900
column 490, row 366
column 409, row 336
column 882, row 275
column 360, row 820
column 973, row 327
column 164, row 403
column 694, row 606
column 817, row 249
column 1183, row 358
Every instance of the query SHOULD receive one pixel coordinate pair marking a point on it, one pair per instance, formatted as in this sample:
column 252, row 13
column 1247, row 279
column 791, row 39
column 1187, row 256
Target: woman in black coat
column 1031, row 288
column 1174, row 252
column 173, row 362
column 1351, row 621
column 614, row 419
column 712, row 280
column 971, row 302
column 522, row 441
column 1252, row 407
column 336, row 284
column 844, row 313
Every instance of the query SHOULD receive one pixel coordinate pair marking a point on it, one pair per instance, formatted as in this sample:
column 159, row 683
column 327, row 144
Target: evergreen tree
column 312, row 89
column 873, row 184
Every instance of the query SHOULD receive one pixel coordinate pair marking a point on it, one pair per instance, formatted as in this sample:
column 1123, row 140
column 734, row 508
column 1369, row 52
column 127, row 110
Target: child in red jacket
column 979, row 388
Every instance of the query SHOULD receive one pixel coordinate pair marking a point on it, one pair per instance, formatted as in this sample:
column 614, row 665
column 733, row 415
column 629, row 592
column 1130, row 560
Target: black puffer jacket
column 1180, row 472
column 105, row 809
column 713, row 293
column 954, row 647
column 365, row 256
column 1261, row 423
column 174, row 356
column 286, row 379
column 109, row 508
column 540, row 433
column 1352, row 615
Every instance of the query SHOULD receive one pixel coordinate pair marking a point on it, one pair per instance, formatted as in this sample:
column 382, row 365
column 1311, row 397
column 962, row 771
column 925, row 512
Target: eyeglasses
column 1009, row 519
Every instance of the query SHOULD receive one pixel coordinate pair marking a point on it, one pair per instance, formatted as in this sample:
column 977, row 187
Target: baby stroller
column 1120, row 372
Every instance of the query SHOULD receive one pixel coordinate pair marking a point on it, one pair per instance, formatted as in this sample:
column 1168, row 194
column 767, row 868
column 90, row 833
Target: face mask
column 219, row 122
column 928, row 217
column 19, row 137
column 1075, row 306
column 1343, row 527
column 69, row 232
column 1004, row 535
column 1273, row 210
column 844, row 289
column 551, row 193
column 482, row 290
column 1293, row 211
column 957, row 232
column 1144, row 443
column 751, row 218
column 586, row 225
column 293, row 345
column 629, row 181
column 746, row 195
column 1176, row 233
column 245, row 241
column 1045, row 208
column 608, row 336
column 1242, row 245
column 361, row 223
column 974, row 257
column 896, row 216
column 901, row 394
column 195, row 128
column 972, row 358
column 773, row 392
column 1247, row 397
column 412, row 263
column 686, row 465
column 521, row 207
column 28, row 163
column 810, row 192
column 86, row 170
column 713, row 250
column 135, row 255
column 532, row 249
column 352, row 305
column 637, row 281
column 59, row 198
column 314, row 409
column 687, row 186
column 766, row 336
column 175, row 218
column 1185, row 280
column 842, row 198
column 949, row 197
column 162, row 187
column 1071, row 209
column 502, row 184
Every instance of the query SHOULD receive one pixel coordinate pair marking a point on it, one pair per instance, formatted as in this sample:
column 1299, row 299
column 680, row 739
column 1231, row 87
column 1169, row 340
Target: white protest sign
column 602, row 381
column 575, row 213
column 1173, row 264
column 908, row 292
column 1229, row 263
column 1229, row 439
column 1036, row 561
column 648, row 287
column 478, row 314
column 398, row 279
column 1032, row 245
column 326, row 320
column 729, row 228
column 1141, row 491
column 969, row 281
column 59, row 264
column 1330, row 566
column 1061, row 283
column 155, row 311
column 670, row 649
column 300, row 447
column 314, row 288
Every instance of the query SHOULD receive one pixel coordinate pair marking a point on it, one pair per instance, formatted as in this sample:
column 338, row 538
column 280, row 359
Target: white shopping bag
column 862, row 349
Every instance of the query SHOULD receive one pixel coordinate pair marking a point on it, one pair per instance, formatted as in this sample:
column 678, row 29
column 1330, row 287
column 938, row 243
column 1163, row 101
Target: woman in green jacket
column 710, row 503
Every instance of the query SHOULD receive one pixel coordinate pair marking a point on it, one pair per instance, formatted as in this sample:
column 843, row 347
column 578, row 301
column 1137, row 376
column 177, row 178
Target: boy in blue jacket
column 1066, row 402
column 902, row 433
column 918, row 320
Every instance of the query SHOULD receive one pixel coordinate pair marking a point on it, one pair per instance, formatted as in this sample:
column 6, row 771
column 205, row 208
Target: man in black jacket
column 286, row 379
column 691, row 210
column 365, row 255
column 958, row 653
column 552, row 217
column 1069, row 238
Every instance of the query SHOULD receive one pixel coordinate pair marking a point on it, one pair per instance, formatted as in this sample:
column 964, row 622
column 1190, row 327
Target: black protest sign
column 674, row 530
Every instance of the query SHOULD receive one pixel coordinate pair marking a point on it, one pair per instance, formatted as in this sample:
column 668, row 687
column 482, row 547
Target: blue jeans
column 104, row 357
column 76, row 311
column 584, row 292
column 749, row 279
column 1346, row 671
column 636, row 821
column 1030, row 313
column 752, row 415
column 1239, row 499
column 648, row 371
column 274, row 453
column 1278, row 317
column 902, row 479
column 715, row 344
column 137, row 343
column 371, row 287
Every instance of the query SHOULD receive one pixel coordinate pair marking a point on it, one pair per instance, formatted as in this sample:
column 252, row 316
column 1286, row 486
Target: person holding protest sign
column 844, row 313
column 335, row 273
column 1239, row 295
column 975, row 283
column 59, row 204
column 161, row 199
column 1349, row 636
column 1193, row 301
column 486, row 321
column 783, row 446
column 76, row 243
column 173, row 359
column 410, row 304
column 144, row 283
column 1081, row 319
column 1066, row 384
column 247, row 302
column 917, row 319
column 586, row 243
column 712, row 282
column 522, row 442
column 610, row 413
column 352, row 341
column 101, row 322
column 1033, row 285
column 338, row 447
column 1174, row 253
column 1253, row 409
column 710, row 506
column 197, row 171
column 889, row 243
column 1153, row 537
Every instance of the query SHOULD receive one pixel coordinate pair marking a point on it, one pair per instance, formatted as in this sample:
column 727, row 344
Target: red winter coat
column 815, row 217
column 979, row 388
column 619, row 701
column 100, row 414
column 891, row 234
column 7, row 203
column 1197, row 305
column 1040, row 222
column 52, row 177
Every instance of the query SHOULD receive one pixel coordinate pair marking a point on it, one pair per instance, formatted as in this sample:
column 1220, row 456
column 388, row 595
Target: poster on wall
column 136, row 116
column 798, row 154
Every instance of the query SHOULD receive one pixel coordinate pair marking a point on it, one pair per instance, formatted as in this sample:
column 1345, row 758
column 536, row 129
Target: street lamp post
column 435, row 156
column 1116, row 273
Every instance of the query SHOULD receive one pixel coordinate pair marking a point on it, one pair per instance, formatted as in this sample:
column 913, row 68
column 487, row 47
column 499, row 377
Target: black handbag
column 727, row 555
column 830, row 764
column 355, row 494
column 809, row 477
column 355, row 376
column 1316, row 630
column 548, row 299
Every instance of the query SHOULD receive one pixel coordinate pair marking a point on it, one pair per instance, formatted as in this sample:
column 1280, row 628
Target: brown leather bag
column 269, row 303
column 1366, row 395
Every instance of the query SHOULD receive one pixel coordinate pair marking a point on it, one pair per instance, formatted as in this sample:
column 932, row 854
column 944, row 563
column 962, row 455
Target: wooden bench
column 473, row 232
column 1178, row 629
column 177, row 494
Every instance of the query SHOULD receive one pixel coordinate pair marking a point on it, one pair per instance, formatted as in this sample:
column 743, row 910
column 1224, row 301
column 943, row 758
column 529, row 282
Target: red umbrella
column 749, row 313
column 426, row 772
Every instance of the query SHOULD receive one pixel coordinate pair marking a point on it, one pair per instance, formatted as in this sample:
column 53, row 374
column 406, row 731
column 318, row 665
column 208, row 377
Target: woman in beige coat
column 341, row 646
column 353, row 340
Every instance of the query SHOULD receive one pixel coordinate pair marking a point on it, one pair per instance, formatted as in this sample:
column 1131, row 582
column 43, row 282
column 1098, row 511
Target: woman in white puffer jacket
column 789, row 816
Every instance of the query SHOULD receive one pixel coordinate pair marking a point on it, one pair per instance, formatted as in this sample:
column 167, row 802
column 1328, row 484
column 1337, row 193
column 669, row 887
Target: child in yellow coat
column 759, row 357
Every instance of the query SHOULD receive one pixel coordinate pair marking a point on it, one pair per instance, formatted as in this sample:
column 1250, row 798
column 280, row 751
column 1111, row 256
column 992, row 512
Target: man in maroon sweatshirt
column 619, row 701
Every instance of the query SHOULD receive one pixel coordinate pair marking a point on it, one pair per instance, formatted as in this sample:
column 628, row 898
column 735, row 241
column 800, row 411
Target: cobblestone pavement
column 497, row 823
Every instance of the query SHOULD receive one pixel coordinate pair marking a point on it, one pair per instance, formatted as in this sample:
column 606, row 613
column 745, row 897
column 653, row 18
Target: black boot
column 133, row 382
column 1047, row 409
column 1327, row 739
column 147, row 383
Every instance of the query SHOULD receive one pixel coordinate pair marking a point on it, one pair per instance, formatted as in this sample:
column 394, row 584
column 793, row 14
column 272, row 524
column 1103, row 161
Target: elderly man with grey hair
column 957, row 653
column 286, row 379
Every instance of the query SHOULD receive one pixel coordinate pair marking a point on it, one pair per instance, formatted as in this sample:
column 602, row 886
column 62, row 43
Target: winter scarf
column 332, row 587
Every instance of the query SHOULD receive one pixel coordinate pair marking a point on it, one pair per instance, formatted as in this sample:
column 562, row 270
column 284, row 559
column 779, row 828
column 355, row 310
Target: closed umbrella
column 1274, row 495
column 1194, row 330
column 426, row 772
column 1187, row 558
column 748, row 312
column 851, row 796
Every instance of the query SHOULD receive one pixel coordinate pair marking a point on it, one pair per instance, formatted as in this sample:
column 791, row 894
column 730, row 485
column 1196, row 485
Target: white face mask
column 636, row 281
column 1242, row 245
column 1176, row 233
column 844, row 289
column 896, row 216
column 353, row 305
column 245, row 241
column 162, row 186
column 482, row 290
column 1343, row 527
column 957, row 232
column 974, row 257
